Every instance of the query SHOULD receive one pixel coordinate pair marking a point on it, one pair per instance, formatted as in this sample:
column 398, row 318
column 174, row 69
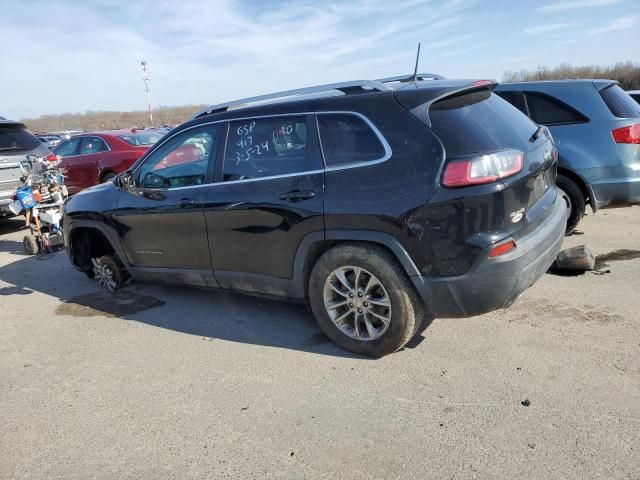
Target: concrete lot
column 163, row 382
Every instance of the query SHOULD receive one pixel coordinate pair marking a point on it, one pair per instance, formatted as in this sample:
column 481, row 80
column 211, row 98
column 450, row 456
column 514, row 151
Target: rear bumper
column 496, row 283
column 620, row 192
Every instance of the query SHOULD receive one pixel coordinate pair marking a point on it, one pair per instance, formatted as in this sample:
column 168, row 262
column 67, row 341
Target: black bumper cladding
column 496, row 283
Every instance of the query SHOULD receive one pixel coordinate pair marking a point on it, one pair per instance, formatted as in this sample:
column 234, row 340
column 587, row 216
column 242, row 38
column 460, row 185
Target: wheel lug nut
column 366, row 304
column 351, row 305
column 351, row 295
column 359, row 294
column 359, row 310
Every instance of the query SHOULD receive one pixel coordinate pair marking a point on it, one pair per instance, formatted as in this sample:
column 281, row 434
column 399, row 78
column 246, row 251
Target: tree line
column 93, row 120
column 627, row 73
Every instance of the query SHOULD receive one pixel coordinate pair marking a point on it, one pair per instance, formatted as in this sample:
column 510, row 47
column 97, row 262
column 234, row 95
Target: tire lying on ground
column 363, row 300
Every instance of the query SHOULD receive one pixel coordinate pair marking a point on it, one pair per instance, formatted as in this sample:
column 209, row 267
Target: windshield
column 15, row 139
column 139, row 139
column 479, row 121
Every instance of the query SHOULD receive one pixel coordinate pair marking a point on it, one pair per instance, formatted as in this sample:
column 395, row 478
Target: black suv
column 378, row 202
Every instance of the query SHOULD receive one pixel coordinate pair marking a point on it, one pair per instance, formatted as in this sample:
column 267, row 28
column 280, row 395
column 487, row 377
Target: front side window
column 265, row 147
column 546, row 110
column 67, row 148
column 92, row 145
column 347, row 138
column 180, row 162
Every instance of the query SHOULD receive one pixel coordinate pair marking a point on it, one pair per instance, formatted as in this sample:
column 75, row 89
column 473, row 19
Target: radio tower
column 146, row 89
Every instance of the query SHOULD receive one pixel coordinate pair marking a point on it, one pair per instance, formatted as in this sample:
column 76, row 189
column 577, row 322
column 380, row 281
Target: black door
column 161, row 221
column 268, row 196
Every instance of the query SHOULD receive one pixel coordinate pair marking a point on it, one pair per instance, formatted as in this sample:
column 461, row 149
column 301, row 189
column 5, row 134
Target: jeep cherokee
column 379, row 203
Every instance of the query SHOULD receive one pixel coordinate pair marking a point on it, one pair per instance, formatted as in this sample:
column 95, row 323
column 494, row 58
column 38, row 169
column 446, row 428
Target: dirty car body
column 277, row 185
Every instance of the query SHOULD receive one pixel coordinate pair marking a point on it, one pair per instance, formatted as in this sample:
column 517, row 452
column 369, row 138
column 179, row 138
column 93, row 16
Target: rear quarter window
column 547, row 110
column 619, row 102
column 479, row 121
column 347, row 139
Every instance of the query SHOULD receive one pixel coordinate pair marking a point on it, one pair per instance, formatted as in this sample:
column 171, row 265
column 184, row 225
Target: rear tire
column 108, row 177
column 575, row 199
column 372, row 283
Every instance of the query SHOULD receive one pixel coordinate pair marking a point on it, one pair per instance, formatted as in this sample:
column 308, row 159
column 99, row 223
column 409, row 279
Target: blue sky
column 75, row 56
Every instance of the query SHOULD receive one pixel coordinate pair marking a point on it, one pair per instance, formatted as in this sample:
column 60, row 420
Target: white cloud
column 575, row 4
column 548, row 28
column 616, row 25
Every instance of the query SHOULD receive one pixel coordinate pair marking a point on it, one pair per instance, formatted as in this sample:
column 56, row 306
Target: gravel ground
column 163, row 382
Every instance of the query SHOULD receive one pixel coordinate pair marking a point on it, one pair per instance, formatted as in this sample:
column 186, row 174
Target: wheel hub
column 357, row 303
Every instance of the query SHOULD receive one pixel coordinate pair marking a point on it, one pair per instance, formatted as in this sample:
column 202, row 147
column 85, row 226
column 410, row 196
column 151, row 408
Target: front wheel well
column 86, row 243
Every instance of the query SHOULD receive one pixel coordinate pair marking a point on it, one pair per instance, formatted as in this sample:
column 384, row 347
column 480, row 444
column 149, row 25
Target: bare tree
column 627, row 73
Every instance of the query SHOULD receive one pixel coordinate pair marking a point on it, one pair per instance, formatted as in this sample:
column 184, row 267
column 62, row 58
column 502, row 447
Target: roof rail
column 345, row 87
column 410, row 78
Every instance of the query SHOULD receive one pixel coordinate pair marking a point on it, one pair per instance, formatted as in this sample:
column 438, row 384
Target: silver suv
column 17, row 146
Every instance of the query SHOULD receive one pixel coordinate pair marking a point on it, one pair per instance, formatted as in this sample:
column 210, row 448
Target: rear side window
column 619, row 102
column 347, row 138
column 547, row 110
column 265, row 147
column 17, row 140
column 92, row 145
column 479, row 121
column 516, row 99
column 138, row 139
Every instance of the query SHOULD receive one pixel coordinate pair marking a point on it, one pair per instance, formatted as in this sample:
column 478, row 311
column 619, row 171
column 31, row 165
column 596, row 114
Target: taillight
column 480, row 169
column 502, row 248
column 51, row 157
column 630, row 134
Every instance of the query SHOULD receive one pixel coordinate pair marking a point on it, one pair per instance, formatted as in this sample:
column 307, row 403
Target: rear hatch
column 497, row 161
column 625, row 125
column 16, row 145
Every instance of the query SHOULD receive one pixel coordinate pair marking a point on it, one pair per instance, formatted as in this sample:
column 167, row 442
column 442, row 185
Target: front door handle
column 188, row 202
column 297, row 195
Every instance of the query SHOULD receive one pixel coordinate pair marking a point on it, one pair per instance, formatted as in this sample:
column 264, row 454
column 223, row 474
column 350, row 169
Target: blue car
column 596, row 127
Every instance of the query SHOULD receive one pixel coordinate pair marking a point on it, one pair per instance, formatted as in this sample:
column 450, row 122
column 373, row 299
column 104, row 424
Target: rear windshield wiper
column 536, row 134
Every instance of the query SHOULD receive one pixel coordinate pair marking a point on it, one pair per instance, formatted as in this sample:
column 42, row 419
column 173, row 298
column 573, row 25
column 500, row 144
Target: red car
column 91, row 158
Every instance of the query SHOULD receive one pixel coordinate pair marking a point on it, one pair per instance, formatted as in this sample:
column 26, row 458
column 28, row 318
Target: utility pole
column 146, row 89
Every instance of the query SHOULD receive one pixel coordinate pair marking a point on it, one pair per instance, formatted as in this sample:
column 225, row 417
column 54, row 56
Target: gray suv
column 17, row 145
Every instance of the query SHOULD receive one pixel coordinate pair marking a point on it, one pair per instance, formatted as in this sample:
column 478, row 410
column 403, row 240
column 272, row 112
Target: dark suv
column 378, row 202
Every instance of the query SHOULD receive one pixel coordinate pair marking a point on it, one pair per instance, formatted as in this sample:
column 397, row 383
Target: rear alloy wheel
column 107, row 272
column 575, row 200
column 357, row 303
column 363, row 300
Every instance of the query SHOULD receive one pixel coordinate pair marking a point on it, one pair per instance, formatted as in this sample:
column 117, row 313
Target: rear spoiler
column 418, row 100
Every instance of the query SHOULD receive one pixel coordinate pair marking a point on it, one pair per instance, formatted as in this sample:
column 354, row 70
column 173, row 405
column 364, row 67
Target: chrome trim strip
column 364, row 84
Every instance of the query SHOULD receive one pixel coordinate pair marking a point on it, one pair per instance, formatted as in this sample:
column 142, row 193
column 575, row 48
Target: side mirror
column 125, row 180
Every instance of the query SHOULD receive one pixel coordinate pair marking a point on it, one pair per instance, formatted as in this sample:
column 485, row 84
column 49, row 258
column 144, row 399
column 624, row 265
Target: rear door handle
column 188, row 202
column 297, row 195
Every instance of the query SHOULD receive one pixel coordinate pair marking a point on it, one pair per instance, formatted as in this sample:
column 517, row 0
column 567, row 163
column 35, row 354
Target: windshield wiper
column 536, row 134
